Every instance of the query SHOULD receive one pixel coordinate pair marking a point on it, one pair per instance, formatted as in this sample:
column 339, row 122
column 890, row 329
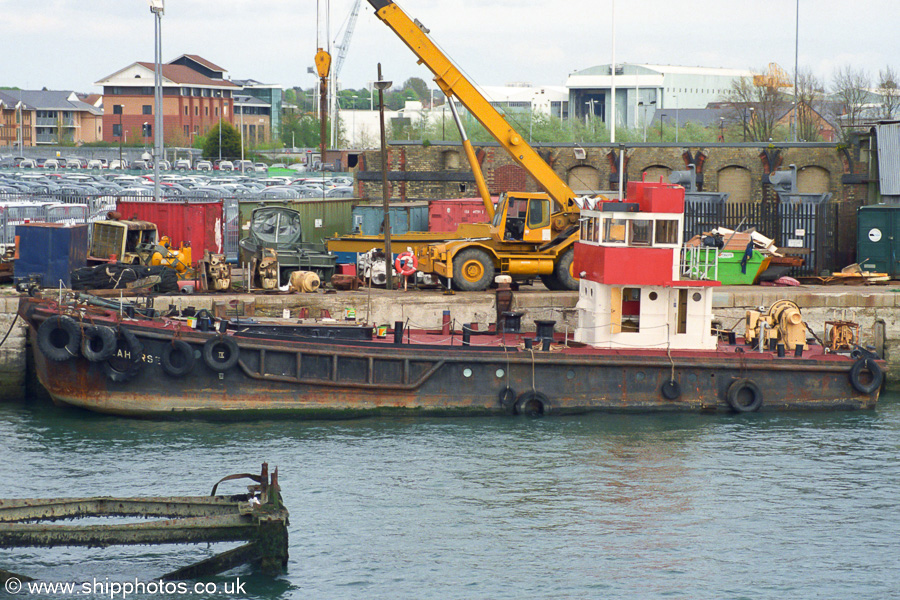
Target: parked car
column 182, row 164
column 142, row 165
column 51, row 163
column 244, row 166
column 117, row 164
column 94, row 164
column 226, row 165
column 261, row 167
column 278, row 166
column 27, row 163
column 203, row 165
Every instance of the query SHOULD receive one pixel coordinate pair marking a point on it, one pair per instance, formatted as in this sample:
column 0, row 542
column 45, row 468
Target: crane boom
column 453, row 83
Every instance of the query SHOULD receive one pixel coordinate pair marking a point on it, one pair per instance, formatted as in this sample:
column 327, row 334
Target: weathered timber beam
column 7, row 575
column 216, row 564
column 436, row 176
column 32, row 509
column 171, row 531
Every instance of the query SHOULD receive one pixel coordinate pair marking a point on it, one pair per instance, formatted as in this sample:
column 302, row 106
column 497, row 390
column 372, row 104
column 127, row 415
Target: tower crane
column 341, row 50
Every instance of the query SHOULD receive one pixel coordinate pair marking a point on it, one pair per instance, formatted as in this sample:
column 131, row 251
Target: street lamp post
column 157, row 7
column 353, row 126
column 382, row 85
column 646, row 106
column 676, row 119
column 722, row 129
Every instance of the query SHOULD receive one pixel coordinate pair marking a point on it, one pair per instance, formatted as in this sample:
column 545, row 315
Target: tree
column 764, row 97
column 300, row 131
column 809, row 106
column 890, row 93
column 231, row 142
column 419, row 88
column 850, row 91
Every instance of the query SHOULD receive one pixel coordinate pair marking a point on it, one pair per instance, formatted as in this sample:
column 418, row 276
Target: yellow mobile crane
column 531, row 234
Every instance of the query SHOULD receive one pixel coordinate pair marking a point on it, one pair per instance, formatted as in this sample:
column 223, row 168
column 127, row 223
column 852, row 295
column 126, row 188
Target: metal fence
column 809, row 230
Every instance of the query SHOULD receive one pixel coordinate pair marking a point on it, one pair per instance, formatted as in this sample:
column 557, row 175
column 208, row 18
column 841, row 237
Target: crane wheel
column 473, row 270
column 563, row 272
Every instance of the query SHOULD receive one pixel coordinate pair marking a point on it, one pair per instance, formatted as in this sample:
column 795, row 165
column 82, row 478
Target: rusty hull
column 329, row 379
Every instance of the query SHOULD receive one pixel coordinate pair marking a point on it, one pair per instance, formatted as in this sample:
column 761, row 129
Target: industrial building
column 641, row 90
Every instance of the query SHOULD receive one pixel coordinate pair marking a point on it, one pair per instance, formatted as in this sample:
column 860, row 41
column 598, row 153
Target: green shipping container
column 319, row 218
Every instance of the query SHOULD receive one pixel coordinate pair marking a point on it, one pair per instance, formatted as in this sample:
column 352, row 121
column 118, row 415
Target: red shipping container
column 199, row 224
column 446, row 214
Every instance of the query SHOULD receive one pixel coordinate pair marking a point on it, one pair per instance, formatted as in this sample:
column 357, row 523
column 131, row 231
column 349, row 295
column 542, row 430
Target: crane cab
column 524, row 217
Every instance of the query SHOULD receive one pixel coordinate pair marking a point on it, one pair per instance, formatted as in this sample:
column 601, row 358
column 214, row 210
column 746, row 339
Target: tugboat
column 644, row 342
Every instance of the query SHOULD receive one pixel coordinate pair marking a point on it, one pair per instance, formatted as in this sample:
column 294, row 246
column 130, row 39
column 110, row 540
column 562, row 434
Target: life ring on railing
column 177, row 358
column 739, row 391
column 125, row 362
column 533, row 404
column 406, row 263
column 221, row 353
column 98, row 342
column 59, row 338
column 866, row 364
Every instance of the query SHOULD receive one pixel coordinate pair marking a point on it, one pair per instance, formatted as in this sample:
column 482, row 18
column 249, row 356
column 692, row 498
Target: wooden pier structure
column 258, row 518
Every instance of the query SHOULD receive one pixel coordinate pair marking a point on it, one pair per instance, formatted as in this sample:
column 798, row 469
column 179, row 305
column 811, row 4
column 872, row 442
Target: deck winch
column 782, row 324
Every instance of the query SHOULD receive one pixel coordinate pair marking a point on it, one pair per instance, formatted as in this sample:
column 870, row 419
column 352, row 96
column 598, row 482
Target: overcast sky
column 70, row 44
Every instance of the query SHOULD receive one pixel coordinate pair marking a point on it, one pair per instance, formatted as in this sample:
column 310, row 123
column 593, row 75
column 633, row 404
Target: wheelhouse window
column 614, row 231
column 641, row 232
column 667, row 232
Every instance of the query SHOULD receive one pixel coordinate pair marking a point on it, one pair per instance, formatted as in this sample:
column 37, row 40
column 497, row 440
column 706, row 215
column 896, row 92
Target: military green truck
column 279, row 229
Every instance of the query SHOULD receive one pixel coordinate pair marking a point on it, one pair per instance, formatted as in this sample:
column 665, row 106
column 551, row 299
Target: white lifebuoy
column 406, row 263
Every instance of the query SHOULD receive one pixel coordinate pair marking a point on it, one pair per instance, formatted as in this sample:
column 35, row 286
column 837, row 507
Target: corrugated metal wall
column 889, row 160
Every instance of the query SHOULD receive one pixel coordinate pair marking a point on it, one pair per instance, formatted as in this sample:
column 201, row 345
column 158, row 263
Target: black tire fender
column 59, row 338
column 221, row 353
column 98, row 342
column 125, row 362
column 736, row 392
column 507, row 398
column 671, row 390
column 533, row 404
column 177, row 358
column 866, row 364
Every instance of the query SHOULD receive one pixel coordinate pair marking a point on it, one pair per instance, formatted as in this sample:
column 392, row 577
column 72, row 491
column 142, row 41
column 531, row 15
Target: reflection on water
column 608, row 505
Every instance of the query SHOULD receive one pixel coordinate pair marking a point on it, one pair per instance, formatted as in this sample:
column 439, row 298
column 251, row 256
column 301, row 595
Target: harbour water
column 602, row 506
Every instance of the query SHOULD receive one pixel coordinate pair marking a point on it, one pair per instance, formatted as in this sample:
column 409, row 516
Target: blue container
column 49, row 252
column 405, row 217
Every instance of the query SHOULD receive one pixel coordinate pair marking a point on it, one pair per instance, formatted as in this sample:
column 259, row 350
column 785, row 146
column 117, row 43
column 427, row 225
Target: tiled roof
column 65, row 100
column 202, row 61
column 180, row 74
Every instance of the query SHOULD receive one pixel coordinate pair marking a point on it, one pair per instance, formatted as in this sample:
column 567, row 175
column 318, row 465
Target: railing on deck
column 700, row 263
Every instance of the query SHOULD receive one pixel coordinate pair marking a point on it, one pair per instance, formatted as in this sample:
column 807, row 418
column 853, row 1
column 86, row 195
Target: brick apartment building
column 195, row 96
column 45, row 117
